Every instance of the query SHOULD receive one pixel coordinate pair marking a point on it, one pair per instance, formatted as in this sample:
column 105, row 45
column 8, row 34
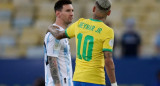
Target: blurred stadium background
column 23, row 24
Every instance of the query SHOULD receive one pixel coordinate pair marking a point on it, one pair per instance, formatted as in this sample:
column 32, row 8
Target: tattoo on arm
column 109, row 60
column 107, row 55
column 109, row 65
column 56, row 33
column 61, row 35
column 54, row 69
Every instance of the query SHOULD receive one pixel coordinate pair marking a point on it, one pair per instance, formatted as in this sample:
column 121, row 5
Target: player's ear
column 109, row 12
column 94, row 8
column 57, row 13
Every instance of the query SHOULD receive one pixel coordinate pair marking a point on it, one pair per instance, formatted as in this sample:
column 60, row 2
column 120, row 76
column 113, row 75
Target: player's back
column 92, row 38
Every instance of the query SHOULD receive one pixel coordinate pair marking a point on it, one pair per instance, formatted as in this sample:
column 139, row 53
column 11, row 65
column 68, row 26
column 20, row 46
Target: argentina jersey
column 60, row 50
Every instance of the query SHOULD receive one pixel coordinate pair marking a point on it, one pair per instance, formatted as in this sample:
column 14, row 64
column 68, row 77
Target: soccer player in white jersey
column 58, row 67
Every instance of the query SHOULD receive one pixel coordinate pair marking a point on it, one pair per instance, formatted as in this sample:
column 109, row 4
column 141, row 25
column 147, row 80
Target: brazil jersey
column 92, row 38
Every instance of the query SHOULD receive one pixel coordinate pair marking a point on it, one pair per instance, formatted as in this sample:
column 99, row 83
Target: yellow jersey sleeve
column 70, row 31
column 109, row 41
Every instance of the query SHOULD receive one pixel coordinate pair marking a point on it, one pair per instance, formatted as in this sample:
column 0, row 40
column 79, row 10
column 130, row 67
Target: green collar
column 95, row 20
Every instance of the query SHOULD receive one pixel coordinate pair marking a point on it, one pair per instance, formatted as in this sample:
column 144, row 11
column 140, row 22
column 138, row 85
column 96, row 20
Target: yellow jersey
column 92, row 38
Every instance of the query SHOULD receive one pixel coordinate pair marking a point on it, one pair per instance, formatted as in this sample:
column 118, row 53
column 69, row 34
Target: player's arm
column 56, row 33
column 68, row 33
column 110, row 68
column 53, row 50
column 54, row 70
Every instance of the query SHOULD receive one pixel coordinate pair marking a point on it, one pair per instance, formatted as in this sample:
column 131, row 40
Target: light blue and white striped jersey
column 61, row 50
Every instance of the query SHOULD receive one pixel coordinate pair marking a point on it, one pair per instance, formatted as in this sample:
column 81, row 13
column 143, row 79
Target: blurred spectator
column 157, row 44
column 131, row 40
column 39, row 82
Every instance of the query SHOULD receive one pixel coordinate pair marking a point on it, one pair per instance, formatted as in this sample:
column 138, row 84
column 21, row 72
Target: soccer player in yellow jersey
column 94, row 43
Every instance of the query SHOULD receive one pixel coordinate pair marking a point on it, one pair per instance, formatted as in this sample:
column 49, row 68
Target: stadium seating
column 24, row 22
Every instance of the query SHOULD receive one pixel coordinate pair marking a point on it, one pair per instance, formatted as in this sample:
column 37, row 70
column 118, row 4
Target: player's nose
column 71, row 13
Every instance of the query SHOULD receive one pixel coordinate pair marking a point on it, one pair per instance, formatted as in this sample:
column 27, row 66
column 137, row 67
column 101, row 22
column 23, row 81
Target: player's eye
column 69, row 10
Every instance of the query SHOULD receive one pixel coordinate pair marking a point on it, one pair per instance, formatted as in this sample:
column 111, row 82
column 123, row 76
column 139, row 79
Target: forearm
column 110, row 68
column 54, row 70
column 56, row 33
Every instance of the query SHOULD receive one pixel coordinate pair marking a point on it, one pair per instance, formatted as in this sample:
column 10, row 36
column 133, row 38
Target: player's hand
column 58, row 84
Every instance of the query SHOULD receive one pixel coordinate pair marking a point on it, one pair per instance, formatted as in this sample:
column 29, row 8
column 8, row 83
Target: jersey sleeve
column 70, row 31
column 109, row 41
column 53, row 46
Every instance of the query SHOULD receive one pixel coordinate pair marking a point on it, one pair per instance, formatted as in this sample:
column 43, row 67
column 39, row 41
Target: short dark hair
column 59, row 4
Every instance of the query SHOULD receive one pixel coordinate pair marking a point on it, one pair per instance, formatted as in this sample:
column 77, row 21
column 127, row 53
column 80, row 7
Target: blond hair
column 104, row 4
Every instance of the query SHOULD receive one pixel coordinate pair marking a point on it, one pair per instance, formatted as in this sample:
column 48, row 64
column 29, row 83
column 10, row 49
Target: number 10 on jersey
column 87, row 47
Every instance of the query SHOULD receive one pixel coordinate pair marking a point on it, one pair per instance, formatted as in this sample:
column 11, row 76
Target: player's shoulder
column 49, row 37
column 110, row 29
column 82, row 19
column 107, row 28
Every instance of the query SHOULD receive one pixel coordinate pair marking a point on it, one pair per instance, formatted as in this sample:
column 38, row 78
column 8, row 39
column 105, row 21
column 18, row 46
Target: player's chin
column 69, row 21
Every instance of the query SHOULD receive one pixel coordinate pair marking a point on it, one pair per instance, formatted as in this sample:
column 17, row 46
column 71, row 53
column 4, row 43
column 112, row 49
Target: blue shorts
column 76, row 83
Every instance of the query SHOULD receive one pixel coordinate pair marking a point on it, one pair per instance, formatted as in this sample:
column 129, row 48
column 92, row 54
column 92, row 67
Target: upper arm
column 108, row 58
column 109, row 42
column 53, row 48
column 107, row 54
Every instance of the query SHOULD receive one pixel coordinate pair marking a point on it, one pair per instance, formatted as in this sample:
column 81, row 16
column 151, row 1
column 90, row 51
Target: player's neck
column 61, row 23
column 99, row 18
column 102, row 19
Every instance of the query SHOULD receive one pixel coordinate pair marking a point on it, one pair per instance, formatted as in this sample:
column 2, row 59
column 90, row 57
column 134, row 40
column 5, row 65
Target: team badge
column 111, row 42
